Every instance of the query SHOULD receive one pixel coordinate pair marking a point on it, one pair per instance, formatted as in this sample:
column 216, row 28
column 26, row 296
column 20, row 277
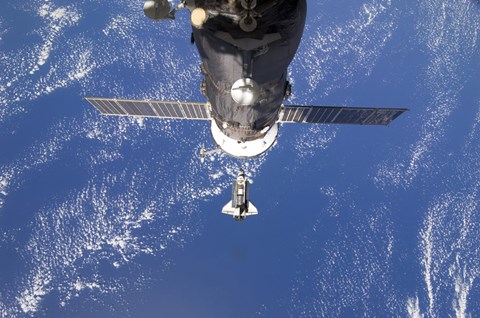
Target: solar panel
column 339, row 115
column 147, row 108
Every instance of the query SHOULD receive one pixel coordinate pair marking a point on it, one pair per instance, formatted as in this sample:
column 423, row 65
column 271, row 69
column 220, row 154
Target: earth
column 112, row 216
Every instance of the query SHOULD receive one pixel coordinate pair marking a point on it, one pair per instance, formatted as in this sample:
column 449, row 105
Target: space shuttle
column 245, row 47
column 240, row 206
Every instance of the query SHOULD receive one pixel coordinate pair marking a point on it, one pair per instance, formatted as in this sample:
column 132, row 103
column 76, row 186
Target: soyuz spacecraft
column 245, row 48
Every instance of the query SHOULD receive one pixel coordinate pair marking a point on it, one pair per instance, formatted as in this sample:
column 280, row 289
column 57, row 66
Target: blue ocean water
column 118, row 217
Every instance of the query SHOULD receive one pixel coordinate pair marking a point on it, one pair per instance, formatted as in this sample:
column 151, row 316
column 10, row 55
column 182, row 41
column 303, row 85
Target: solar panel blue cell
column 114, row 107
column 323, row 115
column 289, row 114
column 340, row 115
column 314, row 113
column 197, row 110
column 188, row 110
column 144, row 108
column 297, row 114
column 177, row 110
column 169, row 110
column 102, row 108
column 304, row 114
column 203, row 111
column 130, row 108
column 158, row 109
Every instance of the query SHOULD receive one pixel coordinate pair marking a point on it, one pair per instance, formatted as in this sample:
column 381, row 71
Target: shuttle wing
column 339, row 115
column 150, row 108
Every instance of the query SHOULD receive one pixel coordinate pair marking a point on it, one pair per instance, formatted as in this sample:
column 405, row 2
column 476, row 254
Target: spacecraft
column 239, row 206
column 245, row 48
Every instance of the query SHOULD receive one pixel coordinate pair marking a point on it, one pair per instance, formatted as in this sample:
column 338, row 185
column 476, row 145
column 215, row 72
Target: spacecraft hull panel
column 229, row 54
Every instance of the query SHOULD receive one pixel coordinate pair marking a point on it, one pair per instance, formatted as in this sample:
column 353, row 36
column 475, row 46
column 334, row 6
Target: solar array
column 288, row 114
column 339, row 115
column 148, row 108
